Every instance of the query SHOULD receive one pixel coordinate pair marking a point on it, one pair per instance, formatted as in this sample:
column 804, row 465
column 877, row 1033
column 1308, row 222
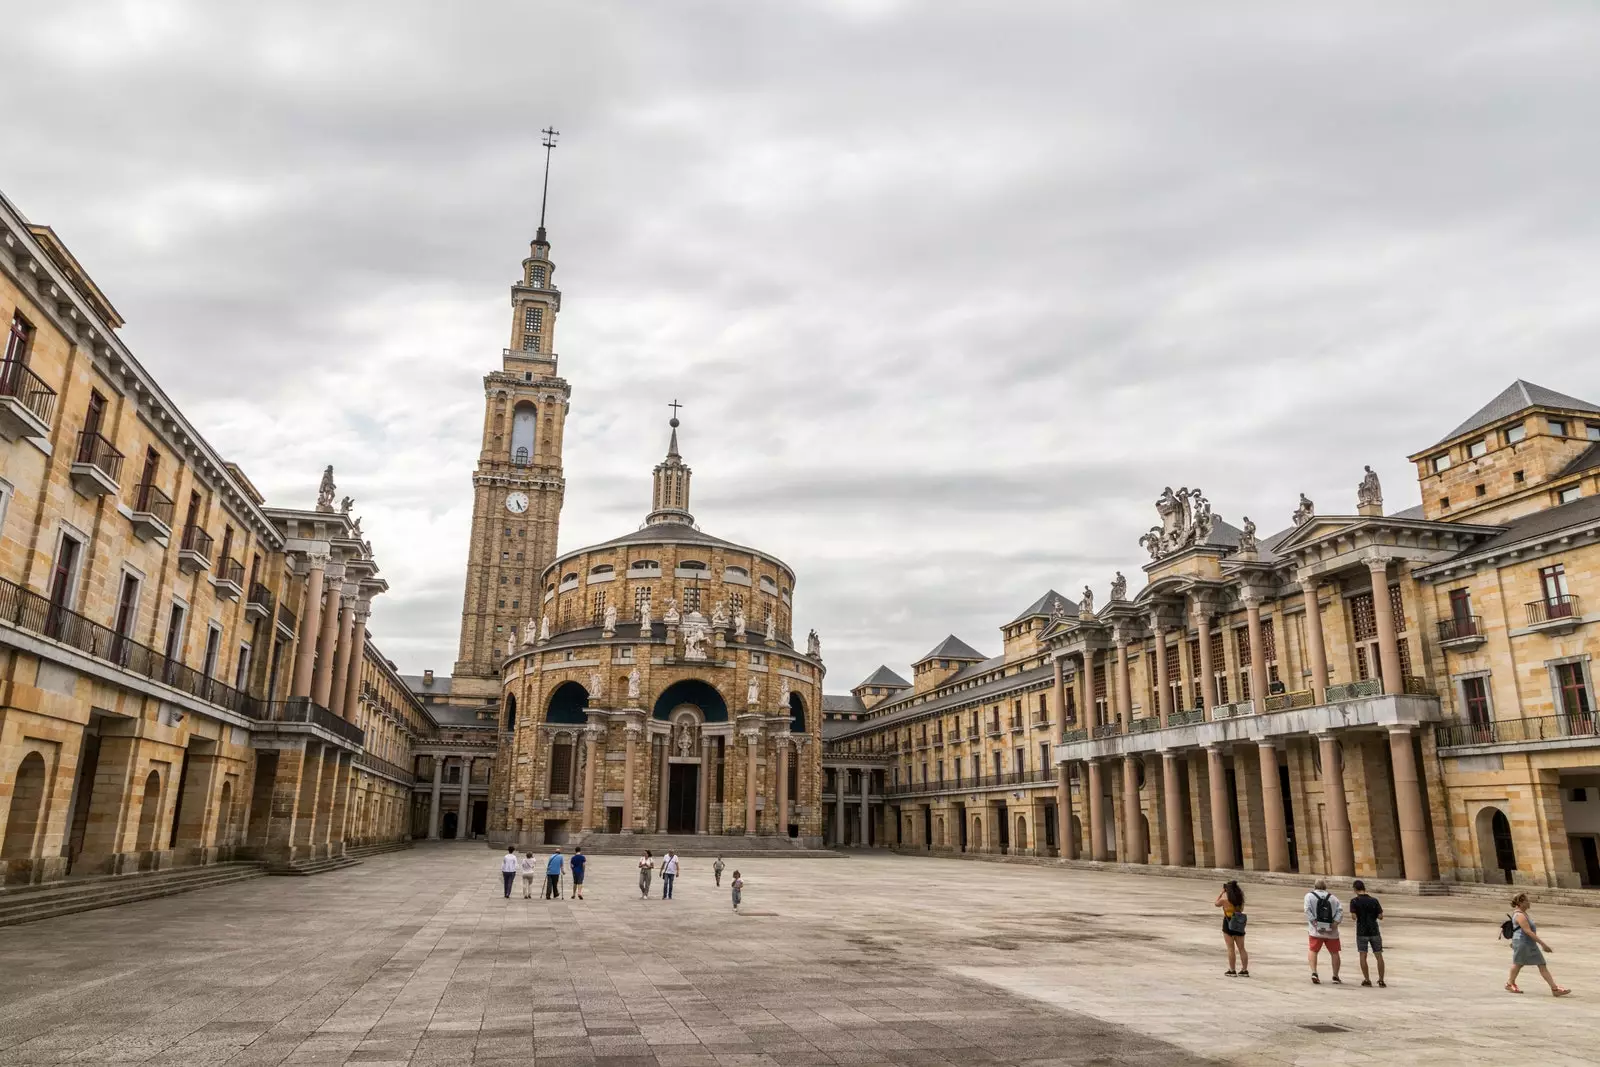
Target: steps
column 377, row 848
column 29, row 903
column 692, row 845
column 304, row 868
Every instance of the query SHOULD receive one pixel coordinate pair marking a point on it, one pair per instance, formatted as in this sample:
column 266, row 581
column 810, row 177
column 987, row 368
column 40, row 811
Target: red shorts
column 1319, row 943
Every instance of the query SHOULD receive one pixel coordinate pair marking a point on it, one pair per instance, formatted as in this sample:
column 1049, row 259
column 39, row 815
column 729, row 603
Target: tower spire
column 669, row 499
column 549, row 142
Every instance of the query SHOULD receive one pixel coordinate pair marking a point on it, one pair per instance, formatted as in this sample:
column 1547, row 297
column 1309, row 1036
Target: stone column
column 305, row 649
column 1185, row 670
column 1383, row 610
column 343, row 785
column 1123, row 688
column 464, row 813
column 1163, row 682
column 1208, row 681
column 662, row 788
column 631, row 730
column 1058, row 702
column 322, row 678
column 1318, row 653
column 1341, row 848
column 1174, row 804
column 1221, row 818
column 1064, row 811
column 1085, row 688
column 840, row 776
column 1097, row 825
column 1133, row 827
column 752, row 779
column 1272, row 804
column 1408, row 801
column 433, row 806
column 591, row 761
column 866, row 793
column 783, row 788
column 703, row 801
column 358, row 649
column 1258, row 653
column 344, row 632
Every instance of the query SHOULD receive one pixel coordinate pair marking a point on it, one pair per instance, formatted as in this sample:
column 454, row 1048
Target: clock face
column 517, row 502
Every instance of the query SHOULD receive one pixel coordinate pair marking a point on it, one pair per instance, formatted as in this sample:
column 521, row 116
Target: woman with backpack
column 1527, row 947
column 1231, row 901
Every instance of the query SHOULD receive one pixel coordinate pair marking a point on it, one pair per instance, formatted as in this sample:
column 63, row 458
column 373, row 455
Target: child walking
column 738, row 889
column 716, row 870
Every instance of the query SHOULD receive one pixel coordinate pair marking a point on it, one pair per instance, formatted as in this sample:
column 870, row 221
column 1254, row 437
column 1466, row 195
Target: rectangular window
column 560, row 770
column 597, row 608
column 1461, row 609
column 536, row 276
column 64, row 579
column 1044, row 755
column 1573, row 690
column 1441, row 463
column 241, row 671
column 213, row 646
column 691, row 600
column 1591, row 430
column 532, row 328
column 1558, row 427
column 1362, row 618
column 1475, row 695
column 1397, row 608
column 173, row 649
column 641, row 600
column 1515, row 433
column 1477, row 448
column 127, row 605
column 1022, row 760
column 997, row 771
column 1568, row 495
column 1553, row 583
column 19, row 341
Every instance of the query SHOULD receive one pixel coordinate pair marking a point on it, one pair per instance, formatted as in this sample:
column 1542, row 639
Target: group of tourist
column 556, row 865
column 1324, row 912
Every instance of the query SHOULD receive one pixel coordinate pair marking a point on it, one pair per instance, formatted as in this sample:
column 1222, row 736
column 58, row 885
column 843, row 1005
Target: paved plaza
column 415, row 958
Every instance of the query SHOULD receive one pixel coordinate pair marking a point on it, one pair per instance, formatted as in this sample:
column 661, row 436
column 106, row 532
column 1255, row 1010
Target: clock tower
column 518, row 484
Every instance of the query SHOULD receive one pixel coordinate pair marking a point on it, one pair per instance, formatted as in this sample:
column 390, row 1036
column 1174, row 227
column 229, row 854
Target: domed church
column 659, row 690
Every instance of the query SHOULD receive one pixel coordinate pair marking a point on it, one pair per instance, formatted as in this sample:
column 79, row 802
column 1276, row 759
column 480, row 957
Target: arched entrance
column 447, row 826
column 977, row 833
column 1496, row 850
column 27, row 809
column 511, row 711
column 149, row 810
column 1021, row 842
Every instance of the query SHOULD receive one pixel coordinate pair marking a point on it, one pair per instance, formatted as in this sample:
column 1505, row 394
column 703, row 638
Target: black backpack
column 1508, row 929
column 1324, row 909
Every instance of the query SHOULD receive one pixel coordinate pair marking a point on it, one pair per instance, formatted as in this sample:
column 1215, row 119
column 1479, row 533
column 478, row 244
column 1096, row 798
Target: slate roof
column 884, row 676
column 1413, row 512
column 1050, row 604
column 1589, row 457
column 845, row 703
column 1583, row 510
column 960, row 698
column 1518, row 396
column 440, row 686
column 952, row 647
column 668, row 533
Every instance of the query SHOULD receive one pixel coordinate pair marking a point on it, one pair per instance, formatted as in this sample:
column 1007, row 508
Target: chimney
column 427, row 679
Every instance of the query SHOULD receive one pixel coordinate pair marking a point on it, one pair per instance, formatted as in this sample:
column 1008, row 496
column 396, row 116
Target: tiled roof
column 952, row 647
column 1583, row 510
column 1518, row 396
column 959, row 698
column 1050, row 604
column 883, row 676
column 842, row 702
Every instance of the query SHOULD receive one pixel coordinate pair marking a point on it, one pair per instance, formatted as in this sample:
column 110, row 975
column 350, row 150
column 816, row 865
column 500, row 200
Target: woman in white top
column 530, row 868
column 646, row 867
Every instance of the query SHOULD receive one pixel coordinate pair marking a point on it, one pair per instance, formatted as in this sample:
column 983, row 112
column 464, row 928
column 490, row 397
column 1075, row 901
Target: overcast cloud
column 950, row 290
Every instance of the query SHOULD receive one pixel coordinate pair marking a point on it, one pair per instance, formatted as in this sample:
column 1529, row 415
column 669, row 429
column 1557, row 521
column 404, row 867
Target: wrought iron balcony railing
column 19, row 383
column 1553, row 609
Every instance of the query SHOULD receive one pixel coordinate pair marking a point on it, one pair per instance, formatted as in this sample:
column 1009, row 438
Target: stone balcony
column 1370, row 711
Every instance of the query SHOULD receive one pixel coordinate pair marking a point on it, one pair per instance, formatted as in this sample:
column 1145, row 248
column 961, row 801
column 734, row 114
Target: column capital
column 1119, row 637
column 1377, row 564
column 1309, row 585
column 1156, row 625
column 1400, row 730
column 1251, row 601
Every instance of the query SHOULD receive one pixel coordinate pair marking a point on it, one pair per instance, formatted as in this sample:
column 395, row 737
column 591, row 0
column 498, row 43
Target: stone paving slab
column 416, row 958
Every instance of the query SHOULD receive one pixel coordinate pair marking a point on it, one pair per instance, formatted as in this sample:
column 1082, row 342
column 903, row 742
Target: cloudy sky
column 950, row 290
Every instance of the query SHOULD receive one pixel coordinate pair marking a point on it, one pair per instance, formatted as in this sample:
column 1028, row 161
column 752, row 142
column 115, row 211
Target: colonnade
column 333, row 628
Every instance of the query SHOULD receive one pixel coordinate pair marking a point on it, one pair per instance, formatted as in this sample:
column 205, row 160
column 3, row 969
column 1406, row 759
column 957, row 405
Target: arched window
column 511, row 711
column 524, row 421
column 736, row 575
column 601, row 572
column 643, row 568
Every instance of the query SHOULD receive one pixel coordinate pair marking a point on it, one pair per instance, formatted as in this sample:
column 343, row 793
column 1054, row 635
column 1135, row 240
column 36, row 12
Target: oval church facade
column 660, row 690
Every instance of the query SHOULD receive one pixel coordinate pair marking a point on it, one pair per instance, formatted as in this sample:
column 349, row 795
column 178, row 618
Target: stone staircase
column 377, row 848
column 29, row 903
column 728, row 846
column 302, row 868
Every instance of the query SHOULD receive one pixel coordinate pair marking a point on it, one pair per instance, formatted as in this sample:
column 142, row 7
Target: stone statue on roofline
column 1247, row 538
column 544, row 627
column 1369, row 494
column 346, row 504
column 1086, row 604
column 1119, row 587
column 1304, row 511
column 326, row 490
column 813, row 645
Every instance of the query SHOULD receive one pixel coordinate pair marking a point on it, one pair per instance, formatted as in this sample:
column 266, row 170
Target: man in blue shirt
column 579, row 860
column 552, row 875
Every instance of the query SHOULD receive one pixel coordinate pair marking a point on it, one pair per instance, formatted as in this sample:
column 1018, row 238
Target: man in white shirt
column 508, row 869
column 669, row 874
column 1324, row 913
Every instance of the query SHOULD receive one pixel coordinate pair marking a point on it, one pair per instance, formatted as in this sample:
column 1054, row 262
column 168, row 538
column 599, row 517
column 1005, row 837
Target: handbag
column 1236, row 923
